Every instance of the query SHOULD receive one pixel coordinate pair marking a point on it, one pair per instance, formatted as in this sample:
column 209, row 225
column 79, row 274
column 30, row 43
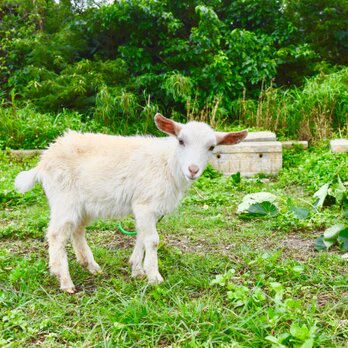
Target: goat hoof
column 67, row 285
column 94, row 269
column 138, row 273
column 70, row 291
column 155, row 279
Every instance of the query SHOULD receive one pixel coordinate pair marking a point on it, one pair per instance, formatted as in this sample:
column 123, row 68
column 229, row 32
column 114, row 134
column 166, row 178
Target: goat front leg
column 136, row 260
column 147, row 242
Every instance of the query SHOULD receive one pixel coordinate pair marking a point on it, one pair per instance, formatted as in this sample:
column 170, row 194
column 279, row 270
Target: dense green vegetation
column 229, row 282
column 272, row 64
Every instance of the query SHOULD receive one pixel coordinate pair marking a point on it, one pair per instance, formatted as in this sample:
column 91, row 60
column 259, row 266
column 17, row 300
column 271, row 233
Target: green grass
column 229, row 282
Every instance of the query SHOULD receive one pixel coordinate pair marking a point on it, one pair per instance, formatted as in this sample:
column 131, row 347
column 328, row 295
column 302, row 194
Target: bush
column 28, row 129
column 313, row 112
column 75, row 87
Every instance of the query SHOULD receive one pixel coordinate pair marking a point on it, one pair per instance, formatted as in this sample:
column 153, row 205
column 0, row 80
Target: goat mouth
column 191, row 178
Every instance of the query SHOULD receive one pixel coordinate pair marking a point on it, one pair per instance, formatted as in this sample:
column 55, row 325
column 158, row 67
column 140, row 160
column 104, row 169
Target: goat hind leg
column 58, row 260
column 83, row 252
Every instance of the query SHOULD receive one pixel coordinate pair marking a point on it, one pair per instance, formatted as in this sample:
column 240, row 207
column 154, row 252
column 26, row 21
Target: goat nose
column 193, row 169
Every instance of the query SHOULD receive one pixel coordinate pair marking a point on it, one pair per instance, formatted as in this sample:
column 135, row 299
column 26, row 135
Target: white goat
column 86, row 176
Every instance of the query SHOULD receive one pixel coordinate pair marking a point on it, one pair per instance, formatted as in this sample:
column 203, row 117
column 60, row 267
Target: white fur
column 25, row 181
column 87, row 176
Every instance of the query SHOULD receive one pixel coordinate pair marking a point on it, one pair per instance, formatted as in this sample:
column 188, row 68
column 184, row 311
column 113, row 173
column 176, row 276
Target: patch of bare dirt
column 297, row 247
column 293, row 245
column 185, row 244
column 111, row 239
column 24, row 247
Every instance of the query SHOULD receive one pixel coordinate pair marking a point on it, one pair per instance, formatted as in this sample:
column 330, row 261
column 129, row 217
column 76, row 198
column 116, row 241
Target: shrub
column 28, row 129
column 313, row 112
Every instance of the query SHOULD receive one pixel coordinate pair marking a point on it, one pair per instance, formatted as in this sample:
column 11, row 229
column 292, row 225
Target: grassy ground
column 229, row 282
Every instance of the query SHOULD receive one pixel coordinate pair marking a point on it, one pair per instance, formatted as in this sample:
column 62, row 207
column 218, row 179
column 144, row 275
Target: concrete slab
column 260, row 136
column 248, row 158
column 339, row 145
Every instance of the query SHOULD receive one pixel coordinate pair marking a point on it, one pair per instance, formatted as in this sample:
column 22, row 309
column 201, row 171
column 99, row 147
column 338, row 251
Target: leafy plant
column 261, row 204
column 336, row 235
column 329, row 194
column 299, row 212
column 224, row 62
column 274, row 296
column 30, row 129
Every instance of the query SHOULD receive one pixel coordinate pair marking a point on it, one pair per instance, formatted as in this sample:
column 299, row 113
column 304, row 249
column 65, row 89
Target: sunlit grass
column 228, row 281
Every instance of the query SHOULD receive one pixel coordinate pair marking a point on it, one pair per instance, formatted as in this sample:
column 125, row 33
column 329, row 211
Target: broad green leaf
column 308, row 343
column 263, row 209
column 329, row 243
column 298, row 269
column 118, row 326
column 300, row 332
column 321, row 195
column 238, row 303
column 340, row 192
column 319, row 244
column 276, row 341
column 343, row 239
column 272, row 339
column 253, row 198
column 277, row 287
column 340, row 184
column 292, row 304
column 345, row 213
column 300, row 213
column 331, row 234
column 236, row 178
column 219, row 279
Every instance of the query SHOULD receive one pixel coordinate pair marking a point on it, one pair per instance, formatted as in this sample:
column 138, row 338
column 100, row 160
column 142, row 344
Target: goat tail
column 26, row 180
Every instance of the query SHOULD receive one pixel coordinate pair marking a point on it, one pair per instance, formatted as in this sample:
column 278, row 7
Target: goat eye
column 211, row 148
column 181, row 142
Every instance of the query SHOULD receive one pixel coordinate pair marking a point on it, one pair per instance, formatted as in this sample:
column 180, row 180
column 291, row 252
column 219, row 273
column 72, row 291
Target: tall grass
column 269, row 111
column 322, row 106
column 177, row 86
column 210, row 113
column 316, row 111
column 26, row 128
column 115, row 108
column 147, row 114
column 122, row 112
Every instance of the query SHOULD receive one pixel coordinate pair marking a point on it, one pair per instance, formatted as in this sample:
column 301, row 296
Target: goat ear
column 166, row 125
column 231, row 138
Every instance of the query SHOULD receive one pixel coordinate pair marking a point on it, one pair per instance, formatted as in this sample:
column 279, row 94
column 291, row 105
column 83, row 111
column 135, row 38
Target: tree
column 324, row 25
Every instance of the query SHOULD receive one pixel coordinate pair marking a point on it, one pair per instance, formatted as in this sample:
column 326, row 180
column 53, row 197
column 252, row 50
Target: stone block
column 260, row 136
column 339, row 145
column 248, row 158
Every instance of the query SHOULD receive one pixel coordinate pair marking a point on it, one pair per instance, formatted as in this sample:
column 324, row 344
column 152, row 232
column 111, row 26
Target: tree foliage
column 70, row 53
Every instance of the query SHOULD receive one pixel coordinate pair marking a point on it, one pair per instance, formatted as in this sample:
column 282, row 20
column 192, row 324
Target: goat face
column 196, row 142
